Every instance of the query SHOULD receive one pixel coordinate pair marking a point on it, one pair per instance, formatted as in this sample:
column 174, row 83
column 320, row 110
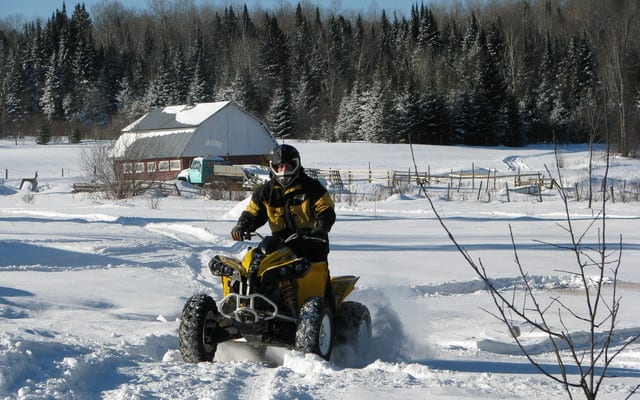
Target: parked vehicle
column 204, row 170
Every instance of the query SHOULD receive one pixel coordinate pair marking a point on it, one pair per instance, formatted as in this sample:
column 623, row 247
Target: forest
column 485, row 73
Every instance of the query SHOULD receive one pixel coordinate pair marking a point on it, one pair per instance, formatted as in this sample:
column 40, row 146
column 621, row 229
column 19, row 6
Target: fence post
column 613, row 199
column 473, row 176
column 63, row 172
column 6, row 173
column 539, row 195
column 488, row 180
column 506, row 184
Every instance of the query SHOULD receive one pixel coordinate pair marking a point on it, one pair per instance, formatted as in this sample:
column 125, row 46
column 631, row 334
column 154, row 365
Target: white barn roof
column 220, row 128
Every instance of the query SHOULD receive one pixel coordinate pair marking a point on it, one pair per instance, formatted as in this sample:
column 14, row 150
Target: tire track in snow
column 516, row 163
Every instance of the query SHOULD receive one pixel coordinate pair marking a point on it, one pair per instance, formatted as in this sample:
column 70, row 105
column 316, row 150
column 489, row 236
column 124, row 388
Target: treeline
column 500, row 73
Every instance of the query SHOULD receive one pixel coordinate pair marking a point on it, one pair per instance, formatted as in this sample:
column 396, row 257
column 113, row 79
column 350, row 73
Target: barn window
column 139, row 167
column 151, row 166
column 163, row 166
column 174, row 165
column 127, row 168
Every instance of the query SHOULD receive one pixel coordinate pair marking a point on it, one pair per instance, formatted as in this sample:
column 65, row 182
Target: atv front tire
column 199, row 328
column 315, row 328
column 353, row 326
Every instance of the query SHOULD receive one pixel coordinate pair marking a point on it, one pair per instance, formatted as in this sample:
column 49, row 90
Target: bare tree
column 115, row 179
column 614, row 29
column 553, row 316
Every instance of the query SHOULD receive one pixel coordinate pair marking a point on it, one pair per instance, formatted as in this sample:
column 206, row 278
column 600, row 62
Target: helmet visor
column 285, row 172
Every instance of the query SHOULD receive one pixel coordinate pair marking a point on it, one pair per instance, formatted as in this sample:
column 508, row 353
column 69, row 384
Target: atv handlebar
column 292, row 237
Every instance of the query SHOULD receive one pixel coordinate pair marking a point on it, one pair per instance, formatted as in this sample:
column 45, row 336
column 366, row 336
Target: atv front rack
column 249, row 309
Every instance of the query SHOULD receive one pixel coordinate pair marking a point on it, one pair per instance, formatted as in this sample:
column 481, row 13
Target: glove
column 238, row 233
column 319, row 233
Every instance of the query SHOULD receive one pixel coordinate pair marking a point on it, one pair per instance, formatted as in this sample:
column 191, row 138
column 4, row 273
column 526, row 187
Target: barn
column 165, row 140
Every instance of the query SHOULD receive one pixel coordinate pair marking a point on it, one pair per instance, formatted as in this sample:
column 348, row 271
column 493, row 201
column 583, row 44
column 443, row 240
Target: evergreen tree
column 161, row 90
column 14, row 88
column 34, row 66
column 281, row 114
column 428, row 36
column 199, row 89
column 95, row 108
column 349, row 120
column 546, row 91
column 76, row 136
column 52, row 96
column 274, row 53
column 514, row 135
column 181, row 77
column 44, row 137
column 379, row 121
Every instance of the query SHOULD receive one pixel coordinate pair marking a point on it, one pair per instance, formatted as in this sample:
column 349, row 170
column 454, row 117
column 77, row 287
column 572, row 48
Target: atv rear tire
column 353, row 326
column 199, row 327
column 315, row 328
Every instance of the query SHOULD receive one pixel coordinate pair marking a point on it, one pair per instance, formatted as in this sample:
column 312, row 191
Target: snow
column 91, row 290
column 196, row 114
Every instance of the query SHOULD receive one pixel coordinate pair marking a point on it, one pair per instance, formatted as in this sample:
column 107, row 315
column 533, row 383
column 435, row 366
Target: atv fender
column 314, row 283
column 342, row 286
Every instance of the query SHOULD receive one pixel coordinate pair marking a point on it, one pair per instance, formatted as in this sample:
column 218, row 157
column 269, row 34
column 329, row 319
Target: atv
column 273, row 298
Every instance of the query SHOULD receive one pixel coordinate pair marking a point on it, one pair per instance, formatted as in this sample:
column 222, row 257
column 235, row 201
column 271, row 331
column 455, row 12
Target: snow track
column 516, row 163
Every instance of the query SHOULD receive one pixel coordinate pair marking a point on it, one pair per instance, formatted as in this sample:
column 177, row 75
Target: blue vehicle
column 206, row 170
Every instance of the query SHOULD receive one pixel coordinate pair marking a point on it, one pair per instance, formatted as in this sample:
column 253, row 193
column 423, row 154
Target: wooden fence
column 395, row 179
column 167, row 188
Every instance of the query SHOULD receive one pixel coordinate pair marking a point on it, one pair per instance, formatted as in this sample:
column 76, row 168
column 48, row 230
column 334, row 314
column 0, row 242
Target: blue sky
column 30, row 9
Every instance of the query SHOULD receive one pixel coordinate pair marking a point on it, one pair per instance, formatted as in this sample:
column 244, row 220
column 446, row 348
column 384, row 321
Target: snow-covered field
column 91, row 290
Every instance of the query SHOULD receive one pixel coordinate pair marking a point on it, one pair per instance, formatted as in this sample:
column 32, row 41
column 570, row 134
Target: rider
column 292, row 202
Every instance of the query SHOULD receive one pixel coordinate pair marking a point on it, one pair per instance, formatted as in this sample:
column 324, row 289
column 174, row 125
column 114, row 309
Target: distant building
column 164, row 141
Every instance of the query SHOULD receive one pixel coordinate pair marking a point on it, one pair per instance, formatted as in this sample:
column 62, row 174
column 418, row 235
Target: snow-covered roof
column 135, row 145
column 193, row 130
column 176, row 117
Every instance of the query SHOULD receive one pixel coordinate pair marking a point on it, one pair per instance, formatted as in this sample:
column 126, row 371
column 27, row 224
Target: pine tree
column 546, row 91
column 14, row 90
column 274, row 53
column 44, row 137
column 33, row 64
column 181, row 77
column 349, row 119
column 161, row 90
column 281, row 114
column 51, row 100
column 379, row 121
column 199, row 89
column 76, row 136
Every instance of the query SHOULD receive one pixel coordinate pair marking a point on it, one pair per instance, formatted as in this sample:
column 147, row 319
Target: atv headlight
column 219, row 268
column 295, row 270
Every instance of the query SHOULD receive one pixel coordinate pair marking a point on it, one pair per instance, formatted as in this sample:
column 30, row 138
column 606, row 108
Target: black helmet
column 285, row 154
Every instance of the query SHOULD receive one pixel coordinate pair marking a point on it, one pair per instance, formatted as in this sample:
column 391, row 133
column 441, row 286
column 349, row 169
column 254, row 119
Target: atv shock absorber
column 288, row 292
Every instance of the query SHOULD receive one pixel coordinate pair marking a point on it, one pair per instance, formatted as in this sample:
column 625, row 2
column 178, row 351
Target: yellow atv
column 273, row 298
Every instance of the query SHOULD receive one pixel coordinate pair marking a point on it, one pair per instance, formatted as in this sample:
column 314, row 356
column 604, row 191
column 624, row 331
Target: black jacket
column 305, row 205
